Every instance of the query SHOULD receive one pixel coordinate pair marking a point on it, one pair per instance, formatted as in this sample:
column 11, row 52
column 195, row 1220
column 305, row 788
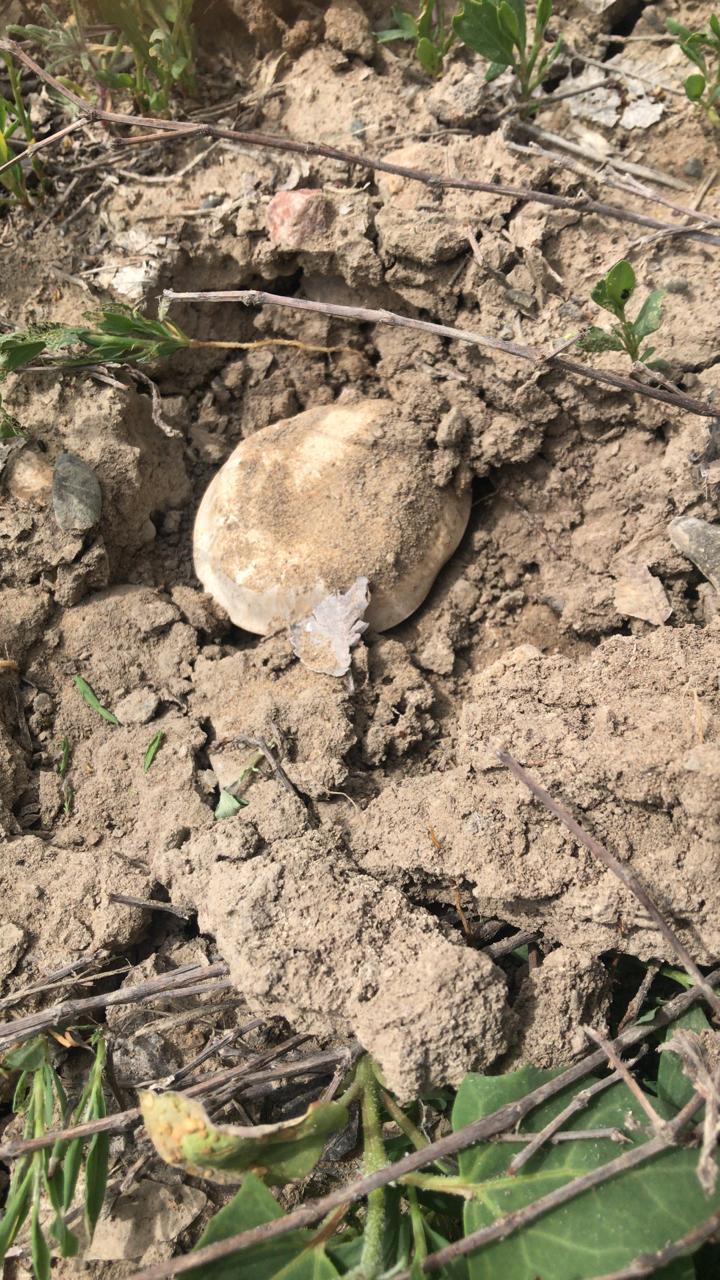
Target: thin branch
column 618, row 868
column 550, row 1131
column 659, row 1125
column 364, row 315
column 270, row 142
column 127, row 901
column 647, row 1263
column 506, row 945
column 51, row 139
column 175, row 984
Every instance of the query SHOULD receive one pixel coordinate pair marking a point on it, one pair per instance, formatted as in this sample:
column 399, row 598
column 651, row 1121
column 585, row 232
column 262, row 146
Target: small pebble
column 700, row 542
column 693, row 168
column 77, row 497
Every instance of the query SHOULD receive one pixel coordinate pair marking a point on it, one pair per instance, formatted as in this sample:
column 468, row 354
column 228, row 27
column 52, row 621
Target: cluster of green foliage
column 52, row 1173
column 495, row 29
column 613, row 293
column 702, row 48
column 15, row 123
column 144, row 48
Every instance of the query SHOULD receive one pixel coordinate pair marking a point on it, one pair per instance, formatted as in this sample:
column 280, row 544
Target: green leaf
column 695, row 86
column 96, row 1173
column 509, row 21
column 93, row 701
column 28, row 1057
column 228, row 805
column 153, row 747
column 478, row 26
column 677, row 29
column 602, row 1230
column 542, row 16
column 649, row 317
column 251, row 1207
column 17, row 350
column 673, row 1087
column 16, row 1206
column 184, row 1136
column 429, row 56
column 715, row 25
column 692, row 49
column 600, row 340
column 64, row 761
column 71, row 1170
column 38, row 1246
column 494, row 70
column 613, row 292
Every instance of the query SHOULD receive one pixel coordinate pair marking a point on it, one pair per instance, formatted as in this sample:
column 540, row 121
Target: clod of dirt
column 348, row 29
column 627, row 739
column 700, row 542
column 28, row 478
column 309, row 937
column 568, row 991
column 318, row 500
column 77, row 496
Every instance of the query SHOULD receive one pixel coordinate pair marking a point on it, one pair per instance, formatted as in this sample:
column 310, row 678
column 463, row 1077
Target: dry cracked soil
column 356, row 906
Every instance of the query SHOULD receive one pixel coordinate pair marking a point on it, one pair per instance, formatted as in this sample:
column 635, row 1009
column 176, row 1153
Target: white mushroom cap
column 306, row 506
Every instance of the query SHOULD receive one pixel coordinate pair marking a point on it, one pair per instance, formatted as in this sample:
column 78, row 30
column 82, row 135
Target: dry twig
column 187, row 129
column 646, row 1264
column 364, row 315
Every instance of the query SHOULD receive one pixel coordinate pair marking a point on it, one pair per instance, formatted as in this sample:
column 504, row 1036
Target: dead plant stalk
column 364, row 315
column 269, row 142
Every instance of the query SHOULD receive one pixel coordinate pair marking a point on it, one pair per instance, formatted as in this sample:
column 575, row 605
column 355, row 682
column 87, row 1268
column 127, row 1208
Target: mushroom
column 306, row 506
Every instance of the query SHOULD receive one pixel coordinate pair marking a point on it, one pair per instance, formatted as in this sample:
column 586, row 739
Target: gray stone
column 699, row 541
column 77, row 497
column 138, row 707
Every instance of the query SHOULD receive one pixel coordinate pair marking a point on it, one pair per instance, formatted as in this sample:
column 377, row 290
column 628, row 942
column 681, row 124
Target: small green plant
column 613, row 293
column 432, row 32
column 702, row 48
column 495, row 29
column 145, row 48
column 15, row 122
column 51, row 1174
column 90, row 696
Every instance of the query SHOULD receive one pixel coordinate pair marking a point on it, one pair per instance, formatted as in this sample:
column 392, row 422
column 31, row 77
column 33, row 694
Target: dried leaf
column 639, row 595
column 183, row 1135
column 323, row 641
column 705, row 1079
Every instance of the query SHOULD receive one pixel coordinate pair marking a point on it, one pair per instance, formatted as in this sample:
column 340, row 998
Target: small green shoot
column 64, row 760
column 145, row 50
column 93, row 701
column 230, row 802
column 703, row 49
column 15, row 121
column 52, row 1173
column 495, row 29
column 498, row 31
column 431, row 31
column 613, row 293
column 154, row 746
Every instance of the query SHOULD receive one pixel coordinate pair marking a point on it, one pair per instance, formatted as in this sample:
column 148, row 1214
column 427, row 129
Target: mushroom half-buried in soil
column 306, row 506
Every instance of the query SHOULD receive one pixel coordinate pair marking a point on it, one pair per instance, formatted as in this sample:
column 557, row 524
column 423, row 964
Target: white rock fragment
column 323, row 641
column 312, row 503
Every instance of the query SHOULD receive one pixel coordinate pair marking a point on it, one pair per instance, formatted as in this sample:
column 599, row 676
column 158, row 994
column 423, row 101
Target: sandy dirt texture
column 342, row 907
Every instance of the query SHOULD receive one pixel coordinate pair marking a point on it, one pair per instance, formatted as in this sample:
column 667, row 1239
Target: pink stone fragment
column 296, row 217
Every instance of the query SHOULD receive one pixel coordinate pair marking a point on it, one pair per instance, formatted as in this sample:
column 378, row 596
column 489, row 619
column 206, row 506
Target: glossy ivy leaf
column 695, row 86
column 600, row 340
column 649, row 317
column 602, row 1230
column 614, row 291
column 289, row 1254
column 478, row 25
column 673, row 1087
column 184, row 1135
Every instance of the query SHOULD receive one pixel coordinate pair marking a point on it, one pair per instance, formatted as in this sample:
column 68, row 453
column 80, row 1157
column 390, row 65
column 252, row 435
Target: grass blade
column 96, row 1172
column 93, row 701
column 153, row 747
column 38, row 1245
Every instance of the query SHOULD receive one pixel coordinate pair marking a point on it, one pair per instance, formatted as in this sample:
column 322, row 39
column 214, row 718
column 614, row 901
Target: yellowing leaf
column 184, row 1135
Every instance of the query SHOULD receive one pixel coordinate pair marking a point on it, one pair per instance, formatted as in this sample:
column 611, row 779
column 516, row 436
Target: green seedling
column 613, row 293
column 153, row 747
column 51, row 1174
column 495, row 29
column 498, row 31
column 231, row 801
column 431, row 30
column 15, row 123
column 144, row 49
column 93, row 701
column 703, row 49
